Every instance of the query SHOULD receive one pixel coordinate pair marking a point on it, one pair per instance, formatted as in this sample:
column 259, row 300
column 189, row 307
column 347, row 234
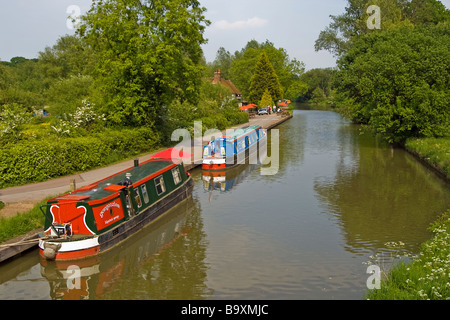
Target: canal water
column 307, row 232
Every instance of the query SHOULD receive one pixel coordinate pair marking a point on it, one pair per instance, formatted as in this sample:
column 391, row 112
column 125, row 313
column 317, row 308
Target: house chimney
column 217, row 76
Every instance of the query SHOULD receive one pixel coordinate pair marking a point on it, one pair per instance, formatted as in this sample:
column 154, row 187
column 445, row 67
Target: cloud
column 239, row 25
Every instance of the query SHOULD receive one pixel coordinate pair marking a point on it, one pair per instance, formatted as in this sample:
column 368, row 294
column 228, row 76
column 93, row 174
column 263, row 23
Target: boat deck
column 112, row 184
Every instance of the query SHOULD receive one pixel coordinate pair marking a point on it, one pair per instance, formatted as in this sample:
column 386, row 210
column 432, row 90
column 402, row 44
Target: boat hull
column 252, row 155
column 72, row 249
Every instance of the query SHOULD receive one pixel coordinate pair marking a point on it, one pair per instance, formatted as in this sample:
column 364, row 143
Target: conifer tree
column 264, row 78
column 266, row 99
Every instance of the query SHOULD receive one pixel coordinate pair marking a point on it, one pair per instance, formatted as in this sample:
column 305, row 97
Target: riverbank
column 427, row 277
column 16, row 224
column 433, row 152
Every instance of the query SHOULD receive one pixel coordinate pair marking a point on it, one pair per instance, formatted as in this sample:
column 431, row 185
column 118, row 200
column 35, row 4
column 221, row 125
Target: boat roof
column 236, row 134
column 111, row 184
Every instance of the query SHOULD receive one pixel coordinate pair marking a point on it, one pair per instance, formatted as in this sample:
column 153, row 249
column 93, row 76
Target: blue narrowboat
column 234, row 149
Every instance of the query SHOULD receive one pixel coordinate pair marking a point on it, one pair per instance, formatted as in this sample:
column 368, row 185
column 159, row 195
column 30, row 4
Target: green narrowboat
column 98, row 216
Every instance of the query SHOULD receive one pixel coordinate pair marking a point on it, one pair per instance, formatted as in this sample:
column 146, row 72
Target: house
column 226, row 83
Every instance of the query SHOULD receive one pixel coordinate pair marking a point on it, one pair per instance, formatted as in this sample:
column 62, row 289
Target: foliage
column 399, row 81
column 148, row 54
column 84, row 117
column 30, row 161
column 12, row 118
column 240, row 66
column 22, row 223
column 264, row 78
column 318, row 79
column 297, row 89
column 427, row 277
column 338, row 37
column 67, row 94
column 266, row 99
column 217, row 109
column 434, row 150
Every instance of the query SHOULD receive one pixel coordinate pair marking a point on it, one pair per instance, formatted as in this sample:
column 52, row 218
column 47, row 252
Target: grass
column 22, row 223
column 434, row 150
column 428, row 276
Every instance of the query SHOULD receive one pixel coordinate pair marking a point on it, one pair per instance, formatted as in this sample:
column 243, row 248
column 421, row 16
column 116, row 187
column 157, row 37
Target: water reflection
column 380, row 194
column 150, row 265
column 226, row 180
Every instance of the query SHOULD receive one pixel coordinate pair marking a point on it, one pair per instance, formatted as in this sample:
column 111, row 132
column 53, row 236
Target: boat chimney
column 136, row 163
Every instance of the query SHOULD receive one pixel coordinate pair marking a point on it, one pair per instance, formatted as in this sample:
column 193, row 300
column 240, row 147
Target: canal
column 306, row 232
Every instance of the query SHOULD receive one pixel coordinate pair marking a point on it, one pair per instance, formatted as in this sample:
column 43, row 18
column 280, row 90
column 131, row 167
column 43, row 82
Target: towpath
column 23, row 198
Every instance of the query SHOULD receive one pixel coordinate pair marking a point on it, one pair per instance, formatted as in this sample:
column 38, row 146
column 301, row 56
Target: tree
column 399, row 81
column 317, row 78
column 264, row 78
column 337, row 38
column 266, row 99
column 244, row 62
column 148, row 54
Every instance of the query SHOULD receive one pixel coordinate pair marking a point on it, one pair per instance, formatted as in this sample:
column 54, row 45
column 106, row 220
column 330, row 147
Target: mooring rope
column 24, row 242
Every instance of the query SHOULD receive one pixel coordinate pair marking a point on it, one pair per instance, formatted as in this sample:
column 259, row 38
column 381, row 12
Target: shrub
column 39, row 160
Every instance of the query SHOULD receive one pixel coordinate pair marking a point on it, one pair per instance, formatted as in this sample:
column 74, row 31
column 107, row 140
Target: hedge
column 40, row 160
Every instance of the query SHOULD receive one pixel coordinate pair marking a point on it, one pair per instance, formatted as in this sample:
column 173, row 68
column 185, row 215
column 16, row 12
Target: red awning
column 172, row 153
column 249, row 106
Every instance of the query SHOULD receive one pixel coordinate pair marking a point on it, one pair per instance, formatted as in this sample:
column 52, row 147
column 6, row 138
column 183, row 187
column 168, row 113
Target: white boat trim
column 214, row 161
column 68, row 246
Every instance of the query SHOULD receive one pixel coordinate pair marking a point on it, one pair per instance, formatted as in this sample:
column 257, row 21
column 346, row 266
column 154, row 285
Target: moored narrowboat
column 234, row 149
column 96, row 217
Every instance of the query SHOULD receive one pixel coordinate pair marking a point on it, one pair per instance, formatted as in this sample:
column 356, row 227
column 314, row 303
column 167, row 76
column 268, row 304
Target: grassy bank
column 22, row 223
column 436, row 151
column 428, row 276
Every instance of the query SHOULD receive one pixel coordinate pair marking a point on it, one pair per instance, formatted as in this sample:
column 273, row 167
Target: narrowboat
column 234, row 149
column 99, row 276
column 94, row 218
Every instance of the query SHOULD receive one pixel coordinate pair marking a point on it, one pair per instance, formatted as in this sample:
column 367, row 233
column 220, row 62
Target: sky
column 29, row 26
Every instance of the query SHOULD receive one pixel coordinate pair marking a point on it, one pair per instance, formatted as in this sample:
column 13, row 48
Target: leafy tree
column 264, row 78
column 243, row 64
column 318, row 95
column 148, row 53
column 69, row 56
column 297, row 89
column 266, row 99
column 337, row 38
column 399, row 81
column 318, row 78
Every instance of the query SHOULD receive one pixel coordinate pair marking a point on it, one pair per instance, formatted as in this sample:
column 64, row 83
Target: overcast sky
column 28, row 26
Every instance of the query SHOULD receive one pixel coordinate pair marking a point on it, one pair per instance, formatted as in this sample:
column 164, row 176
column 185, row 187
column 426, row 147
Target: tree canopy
column 398, row 82
column 264, row 78
column 148, row 53
column 240, row 67
column 338, row 36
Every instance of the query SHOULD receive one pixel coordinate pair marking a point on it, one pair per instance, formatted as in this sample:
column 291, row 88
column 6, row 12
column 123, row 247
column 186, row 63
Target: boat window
column 206, row 151
column 159, row 184
column 137, row 197
column 176, row 175
column 144, row 193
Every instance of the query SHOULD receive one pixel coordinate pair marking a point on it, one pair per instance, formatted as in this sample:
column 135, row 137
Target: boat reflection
column 226, row 180
column 100, row 277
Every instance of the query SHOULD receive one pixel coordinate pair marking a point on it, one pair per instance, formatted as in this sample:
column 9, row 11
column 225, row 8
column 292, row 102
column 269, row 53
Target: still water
column 304, row 233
